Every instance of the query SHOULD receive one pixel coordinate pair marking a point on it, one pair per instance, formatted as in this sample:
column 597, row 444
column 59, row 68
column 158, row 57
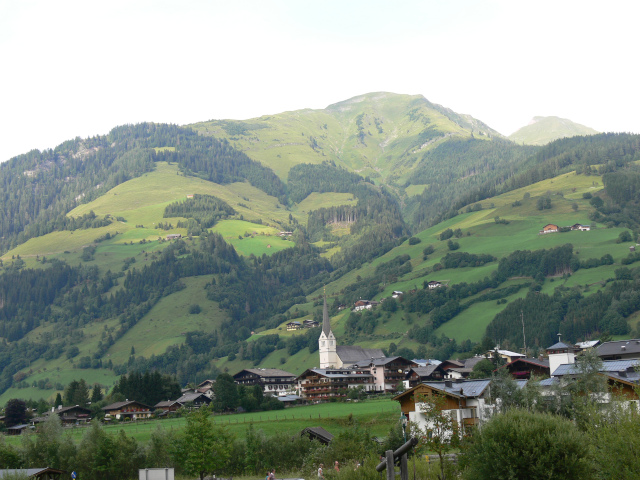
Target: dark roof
column 533, row 361
column 615, row 348
column 453, row 363
column 29, row 472
column 66, row 409
column 425, row 371
column 166, row 403
column 336, row 373
column 192, row 397
column 471, row 362
column 462, row 388
column 379, row 361
column 350, row 354
column 559, row 346
column 318, row 433
column 266, row 372
column 117, row 405
column 608, row 366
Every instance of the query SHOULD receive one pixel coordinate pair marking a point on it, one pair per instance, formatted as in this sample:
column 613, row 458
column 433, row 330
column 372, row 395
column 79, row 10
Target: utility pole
column 524, row 338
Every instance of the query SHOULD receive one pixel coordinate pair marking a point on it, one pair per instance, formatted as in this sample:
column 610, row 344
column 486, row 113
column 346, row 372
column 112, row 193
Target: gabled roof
column 608, row 366
column 471, row 362
column 350, row 354
column 192, row 397
column 318, row 433
column 266, row 372
column 460, row 389
column 118, row 405
column 167, row 404
column 380, row 361
column 425, row 371
column 67, row 409
column 559, row 346
column 336, row 373
column 616, row 348
column 532, row 361
column 29, row 472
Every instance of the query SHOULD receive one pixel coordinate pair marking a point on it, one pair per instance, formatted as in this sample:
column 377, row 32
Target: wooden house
column 293, row 326
column 272, row 380
column 71, row 415
column 550, row 228
column 129, row 409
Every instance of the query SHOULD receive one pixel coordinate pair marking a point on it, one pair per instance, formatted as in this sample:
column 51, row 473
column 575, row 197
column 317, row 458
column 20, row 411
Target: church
column 340, row 356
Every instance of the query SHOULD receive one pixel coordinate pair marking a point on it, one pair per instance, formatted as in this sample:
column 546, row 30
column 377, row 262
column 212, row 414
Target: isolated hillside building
column 433, row 284
column 550, row 228
column 174, row 236
column 293, row 326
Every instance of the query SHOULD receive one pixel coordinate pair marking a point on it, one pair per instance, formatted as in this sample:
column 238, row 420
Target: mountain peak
column 542, row 130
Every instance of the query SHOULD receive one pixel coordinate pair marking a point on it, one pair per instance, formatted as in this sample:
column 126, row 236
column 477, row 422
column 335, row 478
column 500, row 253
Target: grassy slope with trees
column 90, row 332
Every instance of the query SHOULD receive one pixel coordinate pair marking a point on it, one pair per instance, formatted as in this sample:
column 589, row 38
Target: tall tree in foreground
column 441, row 434
column 204, row 447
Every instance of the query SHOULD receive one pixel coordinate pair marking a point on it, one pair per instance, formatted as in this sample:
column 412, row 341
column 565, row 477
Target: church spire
column 326, row 323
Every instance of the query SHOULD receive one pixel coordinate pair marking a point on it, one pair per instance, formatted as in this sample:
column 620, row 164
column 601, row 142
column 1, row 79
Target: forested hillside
column 183, row 250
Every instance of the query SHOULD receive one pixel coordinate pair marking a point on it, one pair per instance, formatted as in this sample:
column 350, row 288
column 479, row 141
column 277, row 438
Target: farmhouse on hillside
column 550, row 228
column 433, row 284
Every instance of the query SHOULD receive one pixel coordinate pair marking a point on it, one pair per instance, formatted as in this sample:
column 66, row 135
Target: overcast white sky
column 80, row 68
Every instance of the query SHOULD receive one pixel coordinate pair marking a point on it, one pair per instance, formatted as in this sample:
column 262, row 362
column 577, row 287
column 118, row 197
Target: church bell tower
column 327, row 341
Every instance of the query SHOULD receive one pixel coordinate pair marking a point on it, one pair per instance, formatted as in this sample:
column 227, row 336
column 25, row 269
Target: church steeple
column 326, row 323
column 327, row 342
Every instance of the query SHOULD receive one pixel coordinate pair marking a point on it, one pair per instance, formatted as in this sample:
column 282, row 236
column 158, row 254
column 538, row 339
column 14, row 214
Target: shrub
column 195, row 309
column 414, row 241
column 521, row 444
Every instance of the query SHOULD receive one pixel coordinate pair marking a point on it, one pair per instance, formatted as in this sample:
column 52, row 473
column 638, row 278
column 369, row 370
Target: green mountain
column 93, row 282
column 543, row 130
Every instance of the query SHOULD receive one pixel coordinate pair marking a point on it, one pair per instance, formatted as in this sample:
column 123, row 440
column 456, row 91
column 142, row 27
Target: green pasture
column 316, row 201
column 261, row 239
column 413, row 190
column 377, row 415
column 472, row 323
column 168, row 321
column 142, row 200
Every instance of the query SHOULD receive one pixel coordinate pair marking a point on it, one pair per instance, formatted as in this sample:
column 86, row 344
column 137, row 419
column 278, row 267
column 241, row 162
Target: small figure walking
column 336, row 466
column 272, row 474
column 320, row 474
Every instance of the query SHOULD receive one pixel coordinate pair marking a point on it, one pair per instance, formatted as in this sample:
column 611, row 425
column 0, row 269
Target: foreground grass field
column 377, row 415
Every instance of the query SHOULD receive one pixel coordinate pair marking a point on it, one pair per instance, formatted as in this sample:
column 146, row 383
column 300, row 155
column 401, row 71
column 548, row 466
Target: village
column 348, row 372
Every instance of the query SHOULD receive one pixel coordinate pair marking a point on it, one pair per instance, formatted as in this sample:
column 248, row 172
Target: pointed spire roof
column 326, row 323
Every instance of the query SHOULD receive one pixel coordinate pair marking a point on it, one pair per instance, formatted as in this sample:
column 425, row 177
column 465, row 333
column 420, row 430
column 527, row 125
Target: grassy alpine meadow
column 314, row 136
column 250, row 238
column 168, row 321
column 316, row 201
